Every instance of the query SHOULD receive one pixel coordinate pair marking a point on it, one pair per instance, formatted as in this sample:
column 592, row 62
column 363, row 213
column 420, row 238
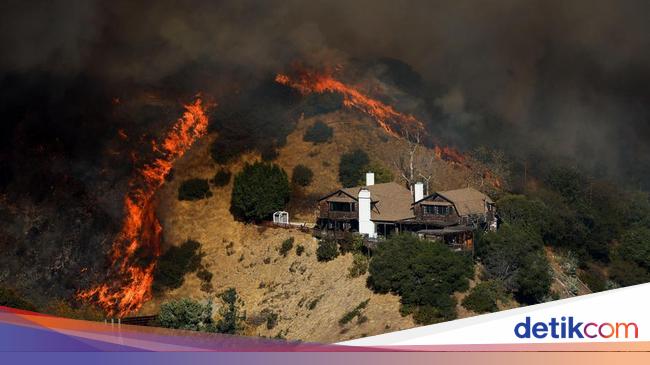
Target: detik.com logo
column 568, row 327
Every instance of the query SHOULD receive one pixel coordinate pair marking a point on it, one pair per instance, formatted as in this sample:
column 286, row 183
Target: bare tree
column 414, row 163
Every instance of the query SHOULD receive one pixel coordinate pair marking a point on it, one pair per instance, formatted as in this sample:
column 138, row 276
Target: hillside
column 246, row 256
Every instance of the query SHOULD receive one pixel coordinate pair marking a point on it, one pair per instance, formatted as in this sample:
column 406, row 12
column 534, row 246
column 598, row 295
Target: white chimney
column 418, row 192
column 366, row 226
column 370, row 178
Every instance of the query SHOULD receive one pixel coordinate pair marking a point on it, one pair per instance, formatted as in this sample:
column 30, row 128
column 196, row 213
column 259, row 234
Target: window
column 436, row 209
column 341, row 207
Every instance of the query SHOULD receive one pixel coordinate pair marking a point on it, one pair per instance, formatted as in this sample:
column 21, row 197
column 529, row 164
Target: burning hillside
column 137, row 246
column 393, row 122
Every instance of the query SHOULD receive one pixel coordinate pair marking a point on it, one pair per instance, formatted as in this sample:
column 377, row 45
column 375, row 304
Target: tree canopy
column 425, row 274
column 259, row 190
column 515, row 256
column 352, row 167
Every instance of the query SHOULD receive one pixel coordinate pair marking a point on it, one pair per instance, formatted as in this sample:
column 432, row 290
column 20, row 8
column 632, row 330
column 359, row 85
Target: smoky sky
column 569, row 76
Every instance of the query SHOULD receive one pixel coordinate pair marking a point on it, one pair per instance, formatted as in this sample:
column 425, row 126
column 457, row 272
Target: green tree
column 327, row 250
column 514, row 255
column 522, row 211
column 186, row 314
column 632, row 258
column 259, row 190
column 301, row 175
column 352, row 167
column 232, row 318
column 424, row 274
column 319, row 132
column 483, row 297
column 382, row 174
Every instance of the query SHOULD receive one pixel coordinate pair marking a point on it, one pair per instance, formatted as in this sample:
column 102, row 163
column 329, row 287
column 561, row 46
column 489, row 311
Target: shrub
column 258, row 191
column 515, row 256
column 302, row 175
column 359, row 265
column 327, row 250
column 186, row 314
column 286, row 246
column 627, row 273
column 299, row 250
column 356, row 312
column 271, row 320
column 194, row 189
column 352, row 167
column 175, row 263
column 8, row 298
column 483, row 297
column 231, row 317
column 594, row 278
column 319, row 132
column 429, row 314
column 221, row 178
column 422, row 273
column 631, row 259
column 351, row 242
column 316, row 103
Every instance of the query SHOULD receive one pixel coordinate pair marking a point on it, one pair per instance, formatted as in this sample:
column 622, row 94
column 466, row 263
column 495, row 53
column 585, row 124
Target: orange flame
column 388, row 118
column 141, row 229
column 307, row 81
column 450, row 154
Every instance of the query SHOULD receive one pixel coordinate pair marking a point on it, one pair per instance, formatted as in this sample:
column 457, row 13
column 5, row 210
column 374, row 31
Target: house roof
column 467, row 201
column 392, row 201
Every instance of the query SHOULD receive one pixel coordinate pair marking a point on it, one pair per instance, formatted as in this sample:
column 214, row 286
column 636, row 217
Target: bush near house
column 515, row 256
column 259, row 190
column 327, row 250
column 194, row 189
column 301, row 176
column 424, row 274
column 359, row 265
column 319, row 132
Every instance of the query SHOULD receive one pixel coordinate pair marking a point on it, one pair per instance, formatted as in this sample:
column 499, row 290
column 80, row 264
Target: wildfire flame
column 392, row 121
column 389, row 119
column 131, row 282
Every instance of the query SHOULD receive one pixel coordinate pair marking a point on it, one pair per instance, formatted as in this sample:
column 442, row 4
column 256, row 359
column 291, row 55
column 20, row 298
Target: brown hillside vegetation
column 309, row 297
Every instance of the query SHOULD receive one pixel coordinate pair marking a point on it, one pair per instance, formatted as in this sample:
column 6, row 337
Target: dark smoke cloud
column 568, row 76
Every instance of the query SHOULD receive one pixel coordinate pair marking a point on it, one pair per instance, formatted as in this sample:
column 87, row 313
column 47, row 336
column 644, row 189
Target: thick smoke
column 567, row 77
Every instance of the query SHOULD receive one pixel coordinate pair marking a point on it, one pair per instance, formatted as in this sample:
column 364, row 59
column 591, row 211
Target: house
column 379, row 210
